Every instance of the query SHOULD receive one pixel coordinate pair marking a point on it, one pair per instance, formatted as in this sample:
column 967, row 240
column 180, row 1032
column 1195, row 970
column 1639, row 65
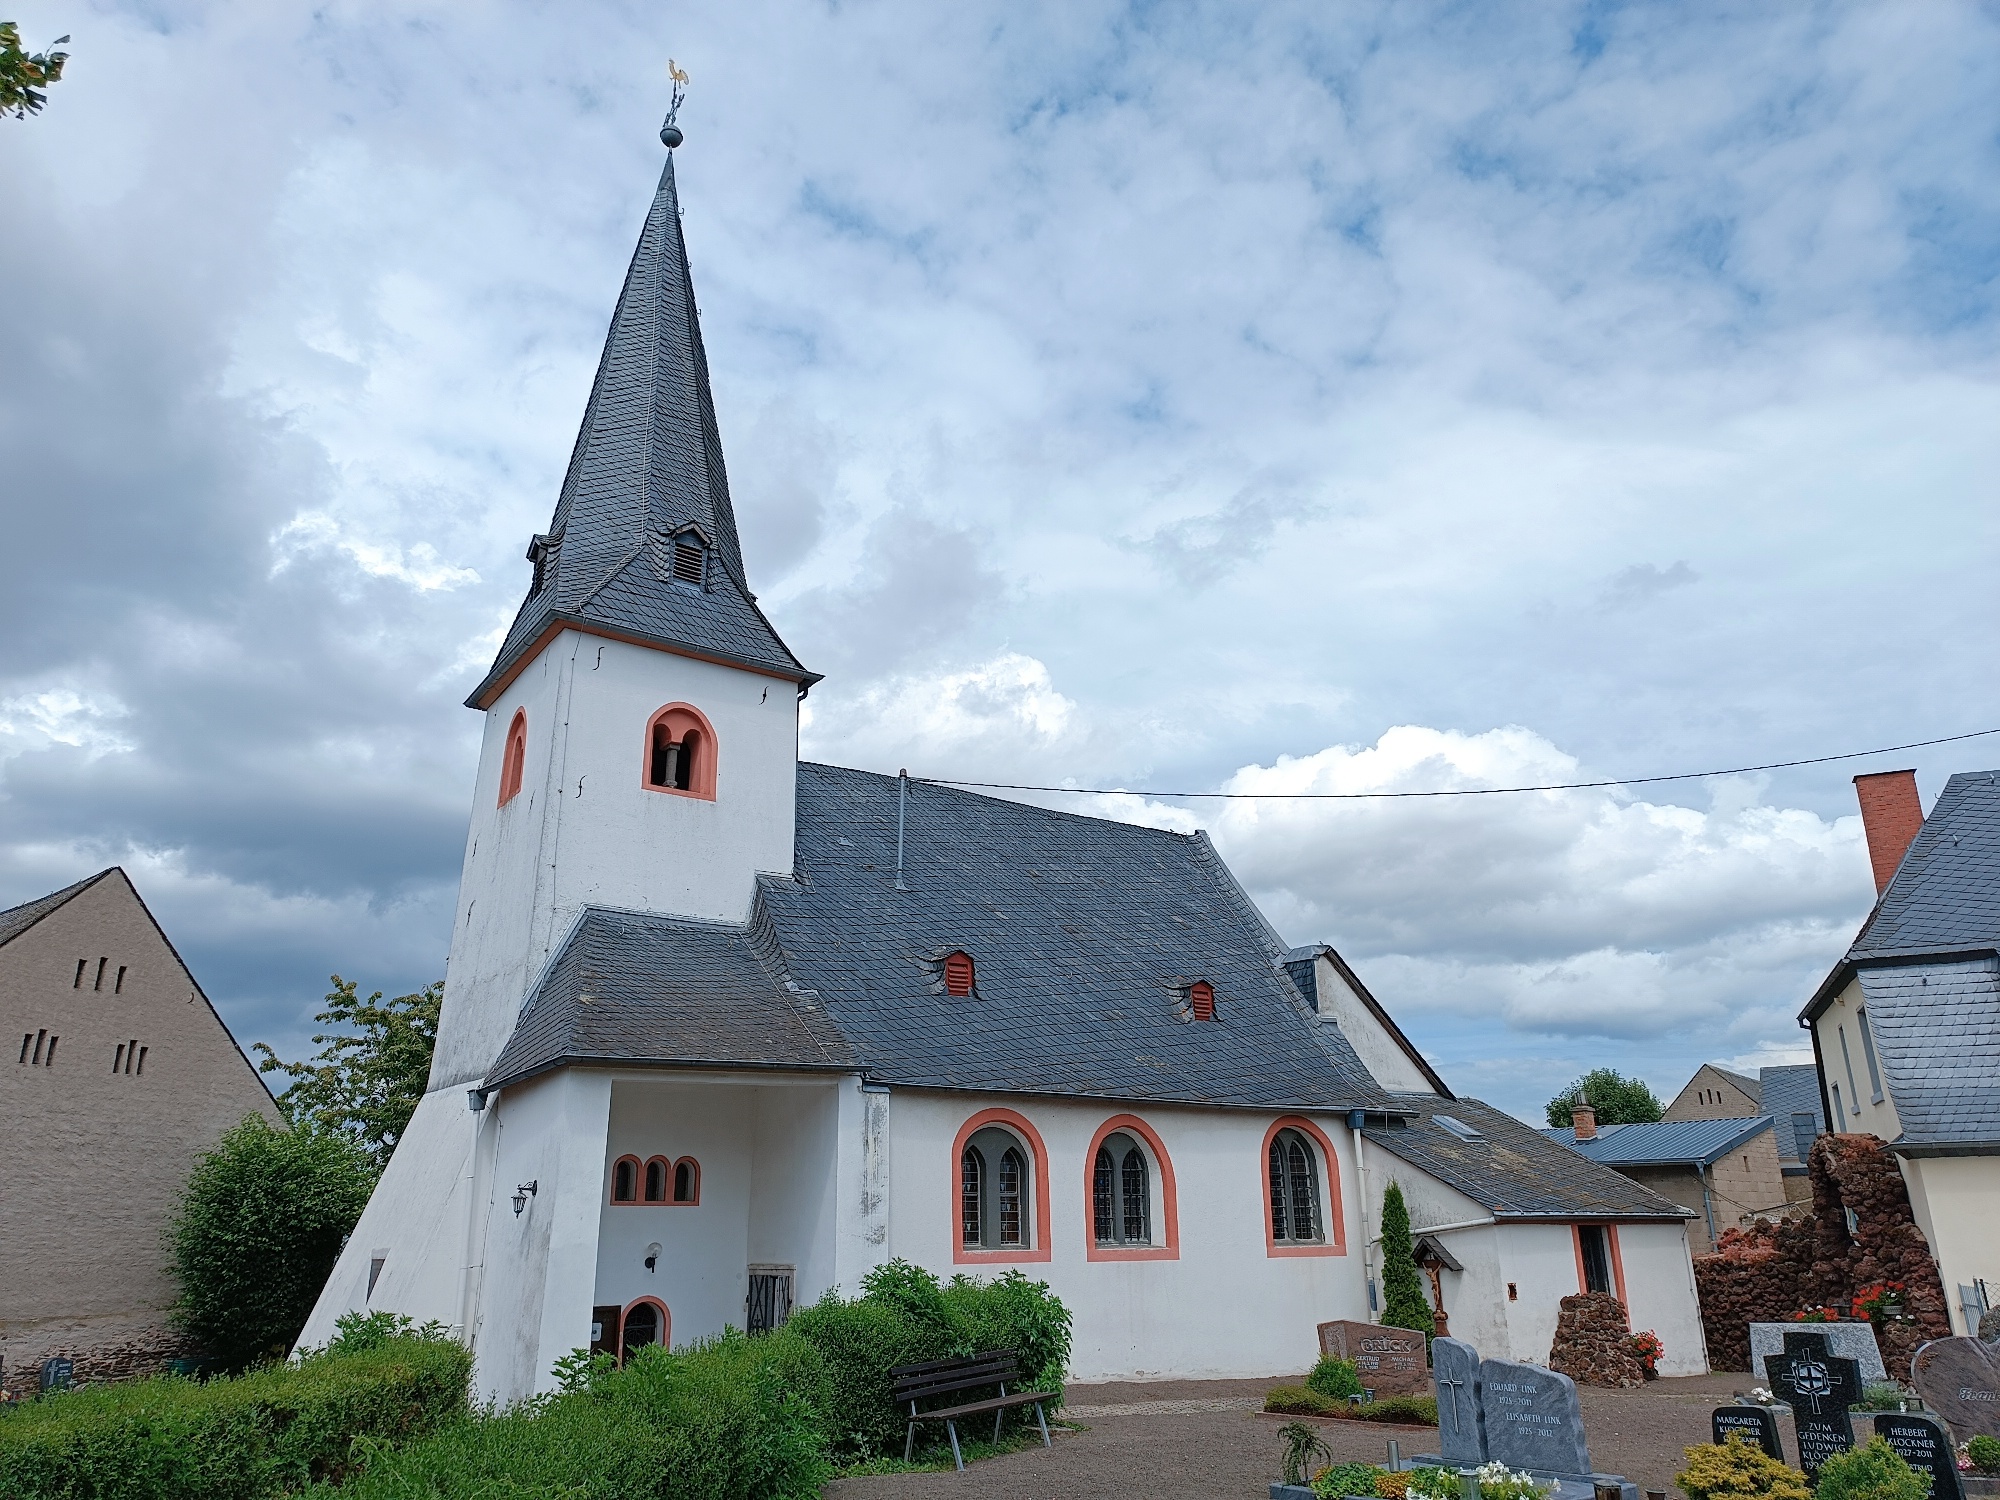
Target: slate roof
column 1664, row 1143
column 1937, row 1035
column 647, row 465
column 1752, row 1088
column 16, row 920
column 1515, row 1172
column 1083, row 932
column 1945, row 896
column 1789, row 1091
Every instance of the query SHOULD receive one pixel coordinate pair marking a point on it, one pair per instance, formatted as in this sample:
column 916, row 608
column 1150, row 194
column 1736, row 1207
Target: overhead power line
column 1471, row 791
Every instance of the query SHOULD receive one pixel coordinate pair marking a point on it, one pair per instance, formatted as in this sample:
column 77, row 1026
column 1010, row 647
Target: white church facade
column 724, row 1029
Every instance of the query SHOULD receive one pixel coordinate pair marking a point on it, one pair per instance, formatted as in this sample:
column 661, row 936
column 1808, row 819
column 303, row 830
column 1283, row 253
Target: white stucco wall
column 1379, row 1051
column 1540, row 1260
column 1224, row 1308
column 1956, row 1201
column 1660, row 1293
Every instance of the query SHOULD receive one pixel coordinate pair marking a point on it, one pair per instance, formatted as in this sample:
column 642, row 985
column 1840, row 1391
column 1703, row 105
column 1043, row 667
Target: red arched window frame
column 659, row 1179
column 671, row 727
column 1038, row 1223
column 514, row 760
column 1170, row 1211
column 1201, row 1000
column 958, row 973
column 666, row 1339
column 1331, row 1208
column 626, row 1174
column 685, row 1190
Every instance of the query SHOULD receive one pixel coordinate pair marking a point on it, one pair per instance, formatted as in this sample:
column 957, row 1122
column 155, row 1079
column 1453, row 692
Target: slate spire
column 645, row 483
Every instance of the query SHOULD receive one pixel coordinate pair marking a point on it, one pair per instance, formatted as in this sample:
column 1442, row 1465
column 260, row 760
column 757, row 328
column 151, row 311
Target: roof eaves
column 510, row 666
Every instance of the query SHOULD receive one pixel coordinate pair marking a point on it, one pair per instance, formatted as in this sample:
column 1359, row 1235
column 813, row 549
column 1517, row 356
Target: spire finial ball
column 670, row 136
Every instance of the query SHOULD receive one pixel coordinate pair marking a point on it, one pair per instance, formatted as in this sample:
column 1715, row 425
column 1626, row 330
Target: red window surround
column 1331, row 1209
column 515, row 759
column 679, row 754
column 958, row 974
column 1169, row 1204
column 687, row 1182
column 1617, row 1260
column 1038, row 1225
column 626, row 1173
column 666, row 1337
column 659, row 1172
column 1201, row 1000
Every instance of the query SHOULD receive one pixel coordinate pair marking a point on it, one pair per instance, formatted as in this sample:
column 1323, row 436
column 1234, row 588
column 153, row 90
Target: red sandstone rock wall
column 1593, row 1342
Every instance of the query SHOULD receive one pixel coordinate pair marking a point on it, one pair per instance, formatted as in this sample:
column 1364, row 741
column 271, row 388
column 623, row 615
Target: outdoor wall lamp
column 653, row 1256
column 522, row 1193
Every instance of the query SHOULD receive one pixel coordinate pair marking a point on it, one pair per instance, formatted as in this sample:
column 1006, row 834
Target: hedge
column 267, row 1433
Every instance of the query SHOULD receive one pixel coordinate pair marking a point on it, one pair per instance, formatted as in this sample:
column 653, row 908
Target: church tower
column 641, row 738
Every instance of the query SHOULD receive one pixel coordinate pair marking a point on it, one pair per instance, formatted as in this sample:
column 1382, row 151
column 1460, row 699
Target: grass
column 936, row 1457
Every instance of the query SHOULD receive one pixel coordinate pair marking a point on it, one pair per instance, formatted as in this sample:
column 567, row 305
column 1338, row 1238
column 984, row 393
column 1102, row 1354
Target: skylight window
column 1459, row 1128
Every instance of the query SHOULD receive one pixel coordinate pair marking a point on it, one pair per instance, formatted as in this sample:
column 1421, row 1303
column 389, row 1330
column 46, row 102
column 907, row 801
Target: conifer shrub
column 1738, row 1470
column 1403, row 1304
column 1334, row 1378
column 1872, row 1472
column 268, row 1433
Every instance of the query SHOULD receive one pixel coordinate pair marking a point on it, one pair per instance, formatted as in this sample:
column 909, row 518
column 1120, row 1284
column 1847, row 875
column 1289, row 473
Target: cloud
column 1642, row 582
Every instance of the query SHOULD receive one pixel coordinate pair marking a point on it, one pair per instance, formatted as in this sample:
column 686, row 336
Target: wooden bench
column 945, row 1377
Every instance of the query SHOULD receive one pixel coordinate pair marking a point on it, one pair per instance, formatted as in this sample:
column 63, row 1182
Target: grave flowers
column 1647, row 1349
column 1496, row 1482
column 1881, row 1303
column 1815, row 1315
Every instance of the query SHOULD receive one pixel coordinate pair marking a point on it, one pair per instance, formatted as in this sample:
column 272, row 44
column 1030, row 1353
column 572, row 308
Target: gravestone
column 1959, row 1379
column 1758, row 1424
column 1390, row 1361
column 1925, row 1444
column 1819, row 1386
column 58, row 1374
column 1455, row 1368
column 1531, row 1418
column 1855, row 1341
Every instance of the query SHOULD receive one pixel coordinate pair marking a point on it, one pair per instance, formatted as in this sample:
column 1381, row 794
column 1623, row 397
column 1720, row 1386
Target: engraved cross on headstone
column 1820, row 1387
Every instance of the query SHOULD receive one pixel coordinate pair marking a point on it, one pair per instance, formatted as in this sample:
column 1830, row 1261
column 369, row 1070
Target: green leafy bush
column 1882, row 1395
column 1301, row 1401
column 1337, row 1480
column 264, row 1434
column 1871, row 1472
column 1738, row 1470
column 256, row 1232
column 1416, row 1411
column 1984, row 1453
column 1334, row 1378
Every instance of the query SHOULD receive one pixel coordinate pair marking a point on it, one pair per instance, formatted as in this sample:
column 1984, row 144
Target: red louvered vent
column 958, row 974
column 687, row 562
column 1201, row 1000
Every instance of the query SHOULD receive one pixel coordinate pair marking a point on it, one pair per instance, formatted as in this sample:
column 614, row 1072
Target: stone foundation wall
column 120, row 1353
column 1592, row 1344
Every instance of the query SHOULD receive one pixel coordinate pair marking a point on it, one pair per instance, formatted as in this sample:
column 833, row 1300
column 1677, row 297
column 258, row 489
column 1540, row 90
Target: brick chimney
column 1584, row 1118
column 1890, row 816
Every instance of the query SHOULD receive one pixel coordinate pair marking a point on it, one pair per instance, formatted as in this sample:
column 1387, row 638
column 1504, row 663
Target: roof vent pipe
column 1584, row 1118
column 902, row 803
column 1891, row 814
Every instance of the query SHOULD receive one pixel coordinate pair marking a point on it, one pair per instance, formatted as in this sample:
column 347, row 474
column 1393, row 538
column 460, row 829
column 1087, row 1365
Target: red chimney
column 1890, row 816
column 1584, row 1118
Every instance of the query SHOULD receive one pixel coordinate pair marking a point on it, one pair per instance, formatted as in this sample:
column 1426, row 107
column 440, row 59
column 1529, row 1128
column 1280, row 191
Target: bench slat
column 974, row 1408
column 946, row 1387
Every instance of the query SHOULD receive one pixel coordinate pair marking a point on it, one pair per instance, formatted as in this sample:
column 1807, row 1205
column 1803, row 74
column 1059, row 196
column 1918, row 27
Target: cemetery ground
column 1197, row 1439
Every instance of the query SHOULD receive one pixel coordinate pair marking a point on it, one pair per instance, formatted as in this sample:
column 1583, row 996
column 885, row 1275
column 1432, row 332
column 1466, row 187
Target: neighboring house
column 1512, row 1222
column 123, row 1075
column 725, row 1029
column 1726, row 1171
column 1789, row 1094
column 1906, row 1027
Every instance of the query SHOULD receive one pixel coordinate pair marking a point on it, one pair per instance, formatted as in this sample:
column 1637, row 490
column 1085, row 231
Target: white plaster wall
column 1223, row 1309
column 795, row 1183
column 1860, row 1112
column 1475, row 1299
column 1956, row 1200
column 1540, row 1259
column 1371, row 1041
column 585, row 830
column 1660, row 1293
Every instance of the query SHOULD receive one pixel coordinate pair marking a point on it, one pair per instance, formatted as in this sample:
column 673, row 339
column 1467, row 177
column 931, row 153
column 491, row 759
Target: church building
column 724, row 1029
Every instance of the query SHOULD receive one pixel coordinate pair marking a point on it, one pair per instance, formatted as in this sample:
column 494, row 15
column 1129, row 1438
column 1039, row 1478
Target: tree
column 1403, row 1304
column 256, row 1232
column 1618, row 1100
column 364, row 1083
column 25, row 76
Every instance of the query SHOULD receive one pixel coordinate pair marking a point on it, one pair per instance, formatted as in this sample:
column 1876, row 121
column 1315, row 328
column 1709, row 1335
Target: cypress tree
column 1403, row 1304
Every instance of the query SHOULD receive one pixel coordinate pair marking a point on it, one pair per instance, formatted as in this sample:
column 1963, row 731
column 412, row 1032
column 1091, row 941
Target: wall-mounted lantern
column 523, row 1193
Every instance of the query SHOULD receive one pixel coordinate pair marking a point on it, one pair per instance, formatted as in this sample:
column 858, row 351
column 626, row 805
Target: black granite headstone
column 1819, row 1387
column 1925, row 1444
column 1758, row 1424
column 57, row 1374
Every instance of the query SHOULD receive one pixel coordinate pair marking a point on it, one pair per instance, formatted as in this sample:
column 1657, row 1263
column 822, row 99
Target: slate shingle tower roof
column 646, row 471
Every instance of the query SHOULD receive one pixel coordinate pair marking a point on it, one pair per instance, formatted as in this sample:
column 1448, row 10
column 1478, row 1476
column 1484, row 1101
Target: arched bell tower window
column 680, row 753
column 514, row 760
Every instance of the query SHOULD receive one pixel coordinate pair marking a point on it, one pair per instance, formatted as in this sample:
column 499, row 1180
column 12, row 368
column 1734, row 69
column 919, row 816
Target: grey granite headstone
column 1532, row 1418
column 1820, row 1388
column 1855, row 1341
column 1959, row 1379
column 1758, row 1424
column 1455, row 1371
column 1925, row 1444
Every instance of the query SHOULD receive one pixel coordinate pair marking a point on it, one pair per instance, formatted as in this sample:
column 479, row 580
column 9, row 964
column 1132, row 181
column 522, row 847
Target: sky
column 1160, row 396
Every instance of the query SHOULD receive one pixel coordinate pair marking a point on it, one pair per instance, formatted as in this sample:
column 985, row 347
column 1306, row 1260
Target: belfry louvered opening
column 689, row 558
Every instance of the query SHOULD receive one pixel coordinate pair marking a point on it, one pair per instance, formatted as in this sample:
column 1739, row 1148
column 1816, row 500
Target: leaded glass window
column 1295, row 1217
column 1121, row 1193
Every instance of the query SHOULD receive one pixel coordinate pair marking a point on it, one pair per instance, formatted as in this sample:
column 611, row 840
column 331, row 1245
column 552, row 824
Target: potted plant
column 1647, row 1349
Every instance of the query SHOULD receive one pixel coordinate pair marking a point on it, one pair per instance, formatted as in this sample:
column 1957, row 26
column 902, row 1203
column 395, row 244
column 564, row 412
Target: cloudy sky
column 1179, row 396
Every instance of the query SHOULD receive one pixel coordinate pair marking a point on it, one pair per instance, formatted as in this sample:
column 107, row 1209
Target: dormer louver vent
column 688, row 562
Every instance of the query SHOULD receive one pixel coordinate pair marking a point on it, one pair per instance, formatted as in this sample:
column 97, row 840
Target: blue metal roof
column 1665, row 1143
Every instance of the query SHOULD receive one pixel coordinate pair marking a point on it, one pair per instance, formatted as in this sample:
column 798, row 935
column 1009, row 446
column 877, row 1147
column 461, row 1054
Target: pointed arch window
column 680, row 753
column 514, row 759
column 1295, row 1215
column 1001, row 1189
column 1121, row 1193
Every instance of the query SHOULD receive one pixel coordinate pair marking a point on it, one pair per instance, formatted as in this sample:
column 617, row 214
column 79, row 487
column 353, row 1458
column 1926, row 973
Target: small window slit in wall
column 50, row 1060
column 99, row 984
column 81, row 965
column 119, row 987
column 375, row 1264
column 131, row 1053
column 27, row 1039
column 142, row 1059
column 36, row 1060
column 118, row 1059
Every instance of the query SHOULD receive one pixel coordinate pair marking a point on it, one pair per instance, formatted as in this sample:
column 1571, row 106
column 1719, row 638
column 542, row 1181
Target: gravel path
column 1199, row 1439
